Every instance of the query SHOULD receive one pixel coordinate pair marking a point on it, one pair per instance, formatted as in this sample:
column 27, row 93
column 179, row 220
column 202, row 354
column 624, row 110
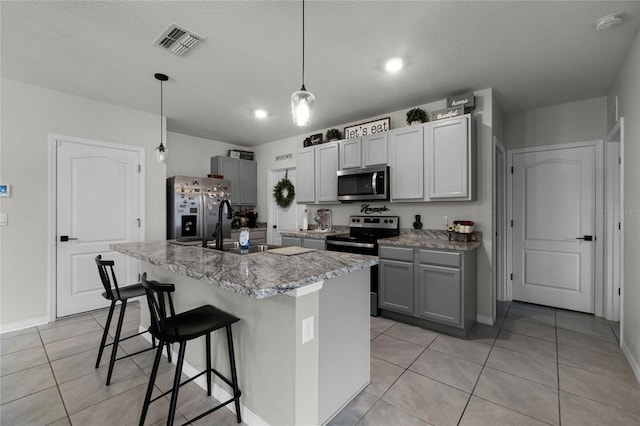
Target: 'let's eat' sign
column 369, row 128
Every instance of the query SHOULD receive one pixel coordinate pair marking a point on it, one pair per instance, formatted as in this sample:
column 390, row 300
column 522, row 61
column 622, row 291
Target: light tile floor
column 536, row 366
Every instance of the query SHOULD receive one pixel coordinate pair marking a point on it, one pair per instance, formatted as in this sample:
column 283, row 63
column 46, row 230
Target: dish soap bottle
column 305, row 221
column 244, row 238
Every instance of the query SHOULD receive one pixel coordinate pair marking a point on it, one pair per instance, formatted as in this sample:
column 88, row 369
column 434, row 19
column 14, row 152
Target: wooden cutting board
column 290, row 250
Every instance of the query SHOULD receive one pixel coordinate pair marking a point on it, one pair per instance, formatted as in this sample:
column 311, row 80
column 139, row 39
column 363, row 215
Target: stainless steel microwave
column 367, row 184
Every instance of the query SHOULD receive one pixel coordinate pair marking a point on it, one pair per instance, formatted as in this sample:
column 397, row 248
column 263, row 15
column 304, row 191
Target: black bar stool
column 169, row 327
column 115, row 294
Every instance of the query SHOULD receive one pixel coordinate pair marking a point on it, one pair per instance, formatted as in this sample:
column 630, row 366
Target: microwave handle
column 374, row 181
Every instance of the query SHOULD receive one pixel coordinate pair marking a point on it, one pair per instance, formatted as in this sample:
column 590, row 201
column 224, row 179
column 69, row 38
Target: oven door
column 370, row 249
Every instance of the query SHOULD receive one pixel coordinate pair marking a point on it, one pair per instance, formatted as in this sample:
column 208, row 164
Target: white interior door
column 554, row 206
column 98, row 190
column 282, row 218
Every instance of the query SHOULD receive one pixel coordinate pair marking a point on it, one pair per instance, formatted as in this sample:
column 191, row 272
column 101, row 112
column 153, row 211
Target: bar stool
column 169, row 327
column 115, row 294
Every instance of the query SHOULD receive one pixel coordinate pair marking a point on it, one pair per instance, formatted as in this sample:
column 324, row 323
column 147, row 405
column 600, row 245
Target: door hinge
column 619, row 226
column 511, row 169
column 619, row 160
column 139, row 278
column 511, row 277
column 139, row 168
column 618, row 291
column 139, row 222
column 512, row 223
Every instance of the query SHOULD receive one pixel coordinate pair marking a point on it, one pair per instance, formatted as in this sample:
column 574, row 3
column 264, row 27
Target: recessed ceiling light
column 260, row 113
column 394, row 65
column 609, row 21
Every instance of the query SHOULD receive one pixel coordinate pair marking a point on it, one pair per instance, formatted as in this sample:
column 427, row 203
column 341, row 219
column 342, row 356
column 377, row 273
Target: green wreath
column 281, row 199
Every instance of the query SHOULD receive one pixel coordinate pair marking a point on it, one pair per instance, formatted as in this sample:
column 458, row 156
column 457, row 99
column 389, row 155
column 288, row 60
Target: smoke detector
column 609, row 21
column 177, row 40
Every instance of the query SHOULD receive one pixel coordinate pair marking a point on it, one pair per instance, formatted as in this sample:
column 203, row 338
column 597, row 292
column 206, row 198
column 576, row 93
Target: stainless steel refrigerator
column 193, row 205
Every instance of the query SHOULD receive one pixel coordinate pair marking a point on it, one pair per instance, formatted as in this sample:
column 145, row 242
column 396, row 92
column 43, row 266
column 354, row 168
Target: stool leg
column 234, row 373
column 152, row 381
column 168, row 353
column 106, row 332
column 208, row 344
column 116, row 340
column 176, row 384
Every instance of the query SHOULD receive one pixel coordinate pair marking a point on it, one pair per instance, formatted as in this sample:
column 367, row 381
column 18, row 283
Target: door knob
column 64, row 238
column 586, row 238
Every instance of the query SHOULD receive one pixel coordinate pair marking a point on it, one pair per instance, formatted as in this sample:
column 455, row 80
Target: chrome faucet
column 219, row 236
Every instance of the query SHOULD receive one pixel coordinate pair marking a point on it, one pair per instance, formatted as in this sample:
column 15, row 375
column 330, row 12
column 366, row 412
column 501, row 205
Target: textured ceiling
column 532, row 53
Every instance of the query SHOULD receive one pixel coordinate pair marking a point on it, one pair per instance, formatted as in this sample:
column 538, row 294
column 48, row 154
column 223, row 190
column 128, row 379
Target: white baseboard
column 15, row 326
column 483, row 319
column 635, row 366
column 248, row 417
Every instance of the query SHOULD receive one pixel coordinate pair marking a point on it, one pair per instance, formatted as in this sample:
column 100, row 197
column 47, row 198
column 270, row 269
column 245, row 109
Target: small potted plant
column 416, row 116
column 333, row 135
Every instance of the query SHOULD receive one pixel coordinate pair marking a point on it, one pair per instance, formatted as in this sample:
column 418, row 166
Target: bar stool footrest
column 213, row 370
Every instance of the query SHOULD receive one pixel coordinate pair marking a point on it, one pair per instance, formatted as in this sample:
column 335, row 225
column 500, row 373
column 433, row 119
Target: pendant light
column 302, row 100
column 161, row 151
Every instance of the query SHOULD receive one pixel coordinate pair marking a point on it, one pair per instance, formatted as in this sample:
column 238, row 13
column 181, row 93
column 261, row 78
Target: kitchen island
column 283, row 380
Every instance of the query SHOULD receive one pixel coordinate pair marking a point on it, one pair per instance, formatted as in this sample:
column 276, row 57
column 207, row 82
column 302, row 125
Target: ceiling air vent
column 177, row 40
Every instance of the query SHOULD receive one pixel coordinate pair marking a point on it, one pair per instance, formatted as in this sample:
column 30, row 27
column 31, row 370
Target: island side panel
column 344, row 341
column 266, row 346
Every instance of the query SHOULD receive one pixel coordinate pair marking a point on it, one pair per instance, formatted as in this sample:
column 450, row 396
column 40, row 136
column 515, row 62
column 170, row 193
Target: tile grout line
column 55, row 379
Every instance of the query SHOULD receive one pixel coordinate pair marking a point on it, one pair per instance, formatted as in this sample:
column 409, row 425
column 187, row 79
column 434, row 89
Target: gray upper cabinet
column 243, row 176
column 406, row 163
column 370, row 150
column 306, row 176
column 450, row 160
column 317, row 181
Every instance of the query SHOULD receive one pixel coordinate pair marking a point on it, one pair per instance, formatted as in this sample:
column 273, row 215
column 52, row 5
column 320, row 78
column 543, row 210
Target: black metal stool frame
column 114, row 293
column 165, row 333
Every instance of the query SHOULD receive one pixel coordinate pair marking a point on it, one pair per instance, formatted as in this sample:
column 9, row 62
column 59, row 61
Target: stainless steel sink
column 258, row 248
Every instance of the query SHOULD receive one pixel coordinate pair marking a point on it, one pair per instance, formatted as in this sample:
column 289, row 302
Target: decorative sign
column 284, row 156
column 245, row 155
column 364, row 208
column 370, row 127
column 313, row 140
column 447, row 113
column 466, row 100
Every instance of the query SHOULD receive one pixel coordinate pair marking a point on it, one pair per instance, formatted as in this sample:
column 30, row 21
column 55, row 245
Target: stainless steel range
column 364, row 233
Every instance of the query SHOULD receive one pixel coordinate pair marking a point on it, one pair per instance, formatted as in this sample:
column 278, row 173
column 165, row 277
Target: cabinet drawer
column 396, row 253
column 314, row 243
column 446, row 258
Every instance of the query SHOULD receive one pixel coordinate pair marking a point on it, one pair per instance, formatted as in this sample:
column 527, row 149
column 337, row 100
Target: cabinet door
column 439, row 293
column 314, row 243
column 395, row 289
column 229, row 168
column 327, row 165
column 306, row 176
column 248, row 183
column 291, row 241
column 406, row 163
column 374, row 149
column 350, row 153
column 447, row 155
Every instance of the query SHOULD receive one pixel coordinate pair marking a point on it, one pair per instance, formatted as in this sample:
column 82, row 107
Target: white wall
column 572, row 122
column 190, row 155
column 479, row 211
column 627, row 88
column 28, row 115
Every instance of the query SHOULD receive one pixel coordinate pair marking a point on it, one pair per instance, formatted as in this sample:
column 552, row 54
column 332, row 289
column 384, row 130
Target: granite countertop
column 321, row 235
column 429, row 239
column 258, row 275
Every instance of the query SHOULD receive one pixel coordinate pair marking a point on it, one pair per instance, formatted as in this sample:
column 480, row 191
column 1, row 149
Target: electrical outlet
column 4, row 219
column 307, row 329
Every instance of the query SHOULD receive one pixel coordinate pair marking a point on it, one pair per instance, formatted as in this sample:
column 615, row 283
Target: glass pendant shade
column 301, row 103
column 161, row 154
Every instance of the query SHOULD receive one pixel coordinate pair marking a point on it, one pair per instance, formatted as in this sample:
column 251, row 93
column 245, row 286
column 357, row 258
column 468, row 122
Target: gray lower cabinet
column 434, row 289
column 314, row 243
column 395, row 289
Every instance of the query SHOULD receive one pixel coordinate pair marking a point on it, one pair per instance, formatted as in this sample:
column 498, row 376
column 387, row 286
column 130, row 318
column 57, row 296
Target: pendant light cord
column 303, row 45
column 161, row 111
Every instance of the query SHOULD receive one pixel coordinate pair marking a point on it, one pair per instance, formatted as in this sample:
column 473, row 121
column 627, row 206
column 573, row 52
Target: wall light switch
column 4, row 219
column 307, row 329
